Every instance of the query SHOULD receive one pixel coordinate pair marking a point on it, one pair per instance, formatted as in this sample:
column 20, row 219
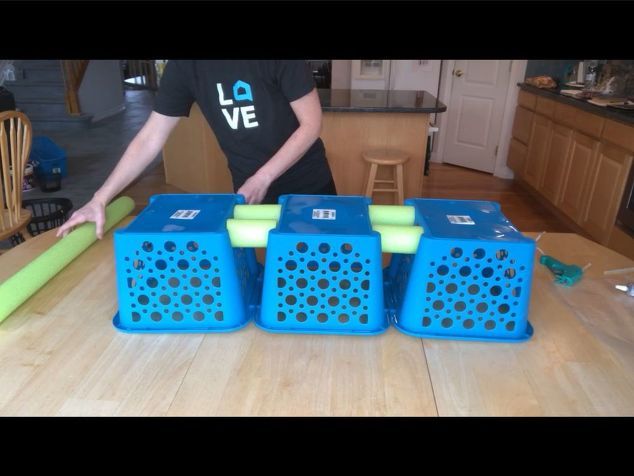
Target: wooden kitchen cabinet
column 517, row 157
column 583, row 149
column 605, row 190
column 537, row 148
column 556, row 160
column 523, row 124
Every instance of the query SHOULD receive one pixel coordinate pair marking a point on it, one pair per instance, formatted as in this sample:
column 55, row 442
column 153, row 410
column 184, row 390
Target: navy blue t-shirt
column 247, row 104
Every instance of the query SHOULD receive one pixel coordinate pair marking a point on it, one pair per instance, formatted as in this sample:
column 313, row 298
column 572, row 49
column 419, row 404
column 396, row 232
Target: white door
column 474, row 112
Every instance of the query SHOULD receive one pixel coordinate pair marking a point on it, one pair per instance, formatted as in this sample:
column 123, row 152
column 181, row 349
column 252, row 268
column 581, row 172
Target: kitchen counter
column 614, row 114
column 369, row 100
column 61, row 355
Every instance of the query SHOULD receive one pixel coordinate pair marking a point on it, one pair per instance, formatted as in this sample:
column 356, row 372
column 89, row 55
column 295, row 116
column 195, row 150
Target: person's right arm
column 140, row 153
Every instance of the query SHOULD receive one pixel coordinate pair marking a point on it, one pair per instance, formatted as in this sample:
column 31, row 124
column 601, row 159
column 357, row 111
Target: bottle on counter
column 592, row 67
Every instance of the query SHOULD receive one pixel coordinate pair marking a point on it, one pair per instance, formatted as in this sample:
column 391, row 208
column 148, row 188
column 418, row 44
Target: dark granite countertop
column 614, row 114
column 371, row 100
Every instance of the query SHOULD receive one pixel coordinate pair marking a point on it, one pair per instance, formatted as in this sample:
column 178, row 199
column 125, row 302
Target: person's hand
column 94, row 211
column 255, row 188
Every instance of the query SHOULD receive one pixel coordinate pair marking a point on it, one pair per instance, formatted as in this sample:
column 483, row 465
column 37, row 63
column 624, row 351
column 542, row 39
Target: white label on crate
column 324, row 214
column 185, row 214
column 460, row 220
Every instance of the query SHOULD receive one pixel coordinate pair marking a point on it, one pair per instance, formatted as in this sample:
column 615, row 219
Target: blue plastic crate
column 177, row 272
column 47, row 157
column 323, row 269
column 470, row 278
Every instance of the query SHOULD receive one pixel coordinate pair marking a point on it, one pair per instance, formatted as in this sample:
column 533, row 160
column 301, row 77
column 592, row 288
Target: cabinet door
column 556, row 160
column 537, row 149
column 517, row 156
column 583, row 150
column 522, row 124
column 607, row 181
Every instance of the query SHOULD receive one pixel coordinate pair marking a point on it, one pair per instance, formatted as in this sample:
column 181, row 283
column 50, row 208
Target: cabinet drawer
column 619, row 134
column 522, row 124
column 545, row 106
column 526, row 100
column 588, row 123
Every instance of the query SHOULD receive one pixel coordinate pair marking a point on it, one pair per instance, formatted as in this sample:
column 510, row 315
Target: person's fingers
column 75, row 219
column 99, row 225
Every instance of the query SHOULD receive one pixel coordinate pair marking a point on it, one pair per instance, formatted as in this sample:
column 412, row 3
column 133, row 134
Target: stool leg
column 399, row 184
column 370, row 185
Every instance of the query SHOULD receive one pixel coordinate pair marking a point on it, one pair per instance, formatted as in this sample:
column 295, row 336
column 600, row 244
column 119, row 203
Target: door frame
column 518, row 72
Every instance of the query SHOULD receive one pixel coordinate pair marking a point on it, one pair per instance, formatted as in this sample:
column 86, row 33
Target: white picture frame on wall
column 370, row 69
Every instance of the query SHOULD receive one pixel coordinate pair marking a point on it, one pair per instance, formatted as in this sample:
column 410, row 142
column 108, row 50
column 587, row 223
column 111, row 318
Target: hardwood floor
column 444, row 181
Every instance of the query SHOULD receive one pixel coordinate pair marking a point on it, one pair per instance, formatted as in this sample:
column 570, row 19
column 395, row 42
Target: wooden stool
column 393, row 158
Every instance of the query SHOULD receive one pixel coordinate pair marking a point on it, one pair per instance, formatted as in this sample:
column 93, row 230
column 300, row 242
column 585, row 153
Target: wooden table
column 60, row 355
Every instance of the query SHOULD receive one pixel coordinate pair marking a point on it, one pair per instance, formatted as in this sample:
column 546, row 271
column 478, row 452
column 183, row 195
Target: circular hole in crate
column 291, row 265
column 173, row 282
column 510, row 325
column 479, row 253
column 219, row 315
column 482, row 307
column 431, row 287
column 132, row 283
column 324, row 247
column 183, row 264
column 311, row 300
column 487, row 272
column 516, row 292
column 301, row 247
column 321, row 317
column 356, row 267
column 215, row 282
column 438, row 305
column 195, row 282
column 186, row 299
column 363, row 318
column 355, row 302
column 281, row 316
column 501, row 254
column 138, row 264
column 199, row 316
column 143, row 299
column 343, row 318
column 323, row 283
column 164, row 299
column 205, row 264
column 333, row 300
column 192, row 246
column 208, row 299
column 473, row 289
column 281, row 282
column 161, row 264
column 312, row 266
column 503, row 308
column 459, row 306
column 177, row 316
column 290, row 300
column 446, row 322
column 509, row 273
column 334, row 266
column 426, row 321
column 344, row 284
column 170, row 246
column 468, row 323
column 465, row 271
column 156, row 316
column 302, row 283
column 456, row 252
column 147, row 246
column 451, row 288
column 443, row 270
column 365, row 284
column 301, row 316
column 495, row 290
column 346, row 248
column 136, row 317
column 489, row 325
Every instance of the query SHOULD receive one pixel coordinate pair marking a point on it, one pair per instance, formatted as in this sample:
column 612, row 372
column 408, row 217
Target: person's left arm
column 308, row 112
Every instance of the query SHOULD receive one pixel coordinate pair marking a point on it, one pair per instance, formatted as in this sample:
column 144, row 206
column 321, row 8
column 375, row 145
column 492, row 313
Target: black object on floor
column 50, row 182
column 47, row 213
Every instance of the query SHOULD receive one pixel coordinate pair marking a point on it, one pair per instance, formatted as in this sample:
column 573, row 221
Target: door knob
column 458, row 72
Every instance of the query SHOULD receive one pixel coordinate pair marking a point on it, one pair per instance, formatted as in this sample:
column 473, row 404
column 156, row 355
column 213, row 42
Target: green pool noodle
column 22, row 285
column 399, row 238
column 257, row 212
column 391, row 214
column 249, row 233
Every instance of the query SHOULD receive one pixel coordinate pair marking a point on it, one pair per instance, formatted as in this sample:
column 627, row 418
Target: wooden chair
column 15, row 146
column 386, row 157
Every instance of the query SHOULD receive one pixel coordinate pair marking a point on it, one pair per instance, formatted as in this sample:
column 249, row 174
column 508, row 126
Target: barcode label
column 185, row 214
column 460, row 220
column 324, row 214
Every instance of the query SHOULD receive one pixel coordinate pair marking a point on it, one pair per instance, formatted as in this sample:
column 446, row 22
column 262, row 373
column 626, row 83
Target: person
column 265, row 114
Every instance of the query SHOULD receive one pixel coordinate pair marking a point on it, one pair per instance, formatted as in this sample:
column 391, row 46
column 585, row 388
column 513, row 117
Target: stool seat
column 387, row 157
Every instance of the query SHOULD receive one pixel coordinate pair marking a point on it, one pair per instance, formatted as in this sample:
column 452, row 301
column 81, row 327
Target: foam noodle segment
column 379, row 214
column 26, row 282
column 249, row 233
column 399, row 238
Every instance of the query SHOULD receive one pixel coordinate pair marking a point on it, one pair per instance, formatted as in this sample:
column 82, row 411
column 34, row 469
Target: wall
column 341, row 70
column 403, row 75
column 101, row 92
column 556, row 69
